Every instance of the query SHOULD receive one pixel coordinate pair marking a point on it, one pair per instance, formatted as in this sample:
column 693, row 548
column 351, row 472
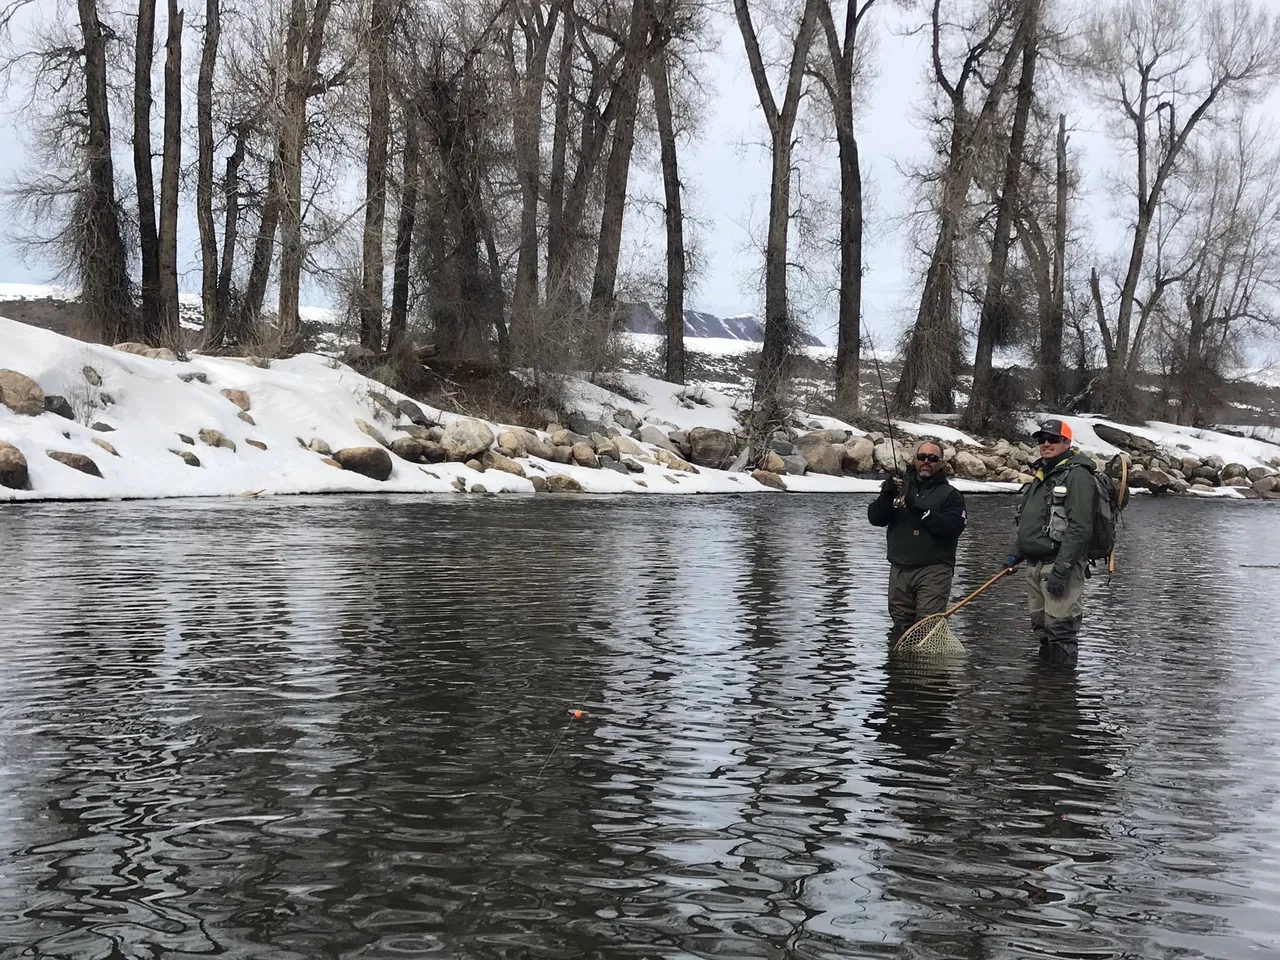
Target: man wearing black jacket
column 925, row 516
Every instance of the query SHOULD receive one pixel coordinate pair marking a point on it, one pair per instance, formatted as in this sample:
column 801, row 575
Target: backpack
column 1109, row 499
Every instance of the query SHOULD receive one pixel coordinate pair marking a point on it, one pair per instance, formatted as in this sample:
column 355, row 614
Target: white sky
column 726, row 174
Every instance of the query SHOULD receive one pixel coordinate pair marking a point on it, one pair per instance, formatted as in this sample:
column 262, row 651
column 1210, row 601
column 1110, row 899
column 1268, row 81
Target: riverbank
column 86, row 421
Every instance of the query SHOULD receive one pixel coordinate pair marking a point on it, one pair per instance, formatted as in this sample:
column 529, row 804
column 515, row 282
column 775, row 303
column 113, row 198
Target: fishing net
column 931, row 637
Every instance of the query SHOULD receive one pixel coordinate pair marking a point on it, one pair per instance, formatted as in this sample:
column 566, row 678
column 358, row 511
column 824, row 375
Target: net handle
column 1003, row 573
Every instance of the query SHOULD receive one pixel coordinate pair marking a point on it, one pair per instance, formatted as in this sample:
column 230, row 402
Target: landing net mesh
column 931, row 637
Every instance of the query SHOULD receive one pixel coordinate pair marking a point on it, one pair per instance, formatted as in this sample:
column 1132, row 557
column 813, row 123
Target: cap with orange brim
column 1053, row 428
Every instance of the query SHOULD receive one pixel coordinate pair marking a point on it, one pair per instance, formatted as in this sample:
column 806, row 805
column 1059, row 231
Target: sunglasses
column 928, row 457
column 1044, row 438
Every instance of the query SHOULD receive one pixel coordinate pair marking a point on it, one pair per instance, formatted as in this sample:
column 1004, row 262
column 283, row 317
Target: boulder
column 21, row 394
column 1262, row 486
column 185, row 439
column 1157, row 481
column 476, row 465
column 769, row 479
column 1236, row 482
column 820, row 455
column 608, row 463
column 584, row 425
column 584, row 456
column 859, row 455
column 103, row 427
column 890, row 455
column 1205, row 474
column 433, row 452
column 772, row 463
column 151, row 353
column 681, row 439
column 1235, row 471
column 238, row 397
column 783, row 447
column 372, row 462
column 1189, row 465
column 414, row 414
column 711, row 448
column 632, row 465
column 98, row 441
column 13, row 468
column 331, row 462
column 536, row 447
column 604, row 446
column 465, row 439
column 654, row 435
column 969, row 465
column 673, row 462
column 540, row 484
column 215, row 439
column 189, row 458
column 1123, row 439
column 628, row 447
column 407, row 448
column 247, row 419
column 1006, row 475
column 76, row 461
column 416, row 431
column 59, row 406
column 372, row 432
column 91, row 376
column 1216, row 462
column 319, row 446
column 562, row 483
column 796, row 465
column 626, row 419
column 566, row 438
column 496, row 461
column 511, row 444
column 256, row 443
column 1003, row 448
column 1257, row 473
column 561, row 455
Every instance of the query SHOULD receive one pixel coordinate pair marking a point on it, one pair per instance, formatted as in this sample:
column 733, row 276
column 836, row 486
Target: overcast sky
column 726, row 175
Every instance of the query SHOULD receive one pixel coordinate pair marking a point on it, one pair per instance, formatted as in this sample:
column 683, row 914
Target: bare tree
column 1164, row 67
column 673, row 309
column 148, row 235
column 930, row 353
column 410, row 180
column 779, row 331
column 214, row 311
column 381, row 13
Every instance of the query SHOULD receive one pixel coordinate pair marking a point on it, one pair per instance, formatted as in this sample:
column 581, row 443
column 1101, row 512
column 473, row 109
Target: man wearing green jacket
column 925, row 516
column 1055, row 522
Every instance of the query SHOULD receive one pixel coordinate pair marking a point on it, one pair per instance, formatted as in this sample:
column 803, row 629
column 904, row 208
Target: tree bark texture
column 673, row 311
column 214, row 319
column 404, row 230
column 148, row 236
column 375, row 182
column 168, row 329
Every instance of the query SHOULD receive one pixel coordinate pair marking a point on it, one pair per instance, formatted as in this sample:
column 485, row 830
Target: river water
column 343, row 727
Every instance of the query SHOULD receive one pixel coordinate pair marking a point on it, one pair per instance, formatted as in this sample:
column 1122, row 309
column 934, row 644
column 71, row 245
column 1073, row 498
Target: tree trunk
column 404, row 231
column 994, row 318
column 264, row 245
column 230, row 231
column 1051, row 328
column 557, row 241
column 168, row 329
column 674, row 310
column 375, row 203
column 849, row 337
column 292, row 129
column 618, row 168
column 103, row 266
column 527, row 138
column 212, row 308
column 148, row 238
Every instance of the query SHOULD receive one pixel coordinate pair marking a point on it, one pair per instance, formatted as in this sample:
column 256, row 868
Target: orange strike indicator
column 577, row 714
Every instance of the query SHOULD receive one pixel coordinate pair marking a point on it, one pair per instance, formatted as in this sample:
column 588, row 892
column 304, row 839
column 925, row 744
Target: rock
column 1257, row 473
column 407, row 448
column 859, row 455
column 98, row 441
column 820, row 454
column 1216, row 462
column 414, row 414
column 331, row 462
column 1006, row 475
column 76, row 461
column 1262, row 486
column 477, row 488
column 1234, row 471
column 608, row 463
column 466, row 439
column 1124, row 440
column 433, row 452
column 185, row 439
column 59, row 405
column 584, row 426
column 656, row 437
column 106, row 428
column 511, row 444
column 385, row 402
column 561, row 455
column 1003, row 448
column 627, row 446
column 968, row 465
column 474, row 464
column 256, row 443
column 772, row 463
column 632, row 466
column 672, row 462
column 91, row 376
column 1236, row 482
column 151, row 353
column 246, row 418
column 887, row 452
column 13, row 468
column 769, row 479
column 215, row 439
column 372, row 462
column 796, row 465
column 560, row 483
column 711, row 448
column 540, row 484
column 372, row 432
column 238, row 397
column 319, row 446
column 536, row 447
column 188, row 457
column 626, row 419
column 604, row 446
column 496, row 461
column 21, row 394
column 583, row 455
column 194, row 376
column 416, row 431
column 681, row 439
column 1205, row 474
column 567, row 438
column 1189, row 465
column 106, row 398
column 783, row 448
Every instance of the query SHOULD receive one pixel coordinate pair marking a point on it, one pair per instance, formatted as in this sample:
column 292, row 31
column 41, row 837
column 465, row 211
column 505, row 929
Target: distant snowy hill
column 642, row 318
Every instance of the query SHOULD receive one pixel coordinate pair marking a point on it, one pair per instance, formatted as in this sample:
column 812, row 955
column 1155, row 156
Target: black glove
column 1056, row 584
column 889, row 488
column 1012, row 560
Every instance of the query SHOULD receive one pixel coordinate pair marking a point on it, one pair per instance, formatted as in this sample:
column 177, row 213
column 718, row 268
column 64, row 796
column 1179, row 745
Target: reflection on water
column 342, row 728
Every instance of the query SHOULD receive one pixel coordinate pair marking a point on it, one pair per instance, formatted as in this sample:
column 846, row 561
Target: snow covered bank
column 83, row 421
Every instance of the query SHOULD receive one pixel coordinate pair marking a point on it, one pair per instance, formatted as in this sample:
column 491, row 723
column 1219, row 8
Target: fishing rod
column 884, row 398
